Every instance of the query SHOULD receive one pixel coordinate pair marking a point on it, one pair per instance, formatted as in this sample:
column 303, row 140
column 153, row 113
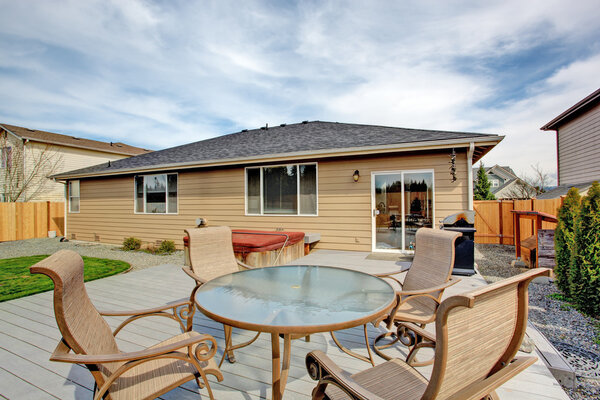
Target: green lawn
column 16, row 281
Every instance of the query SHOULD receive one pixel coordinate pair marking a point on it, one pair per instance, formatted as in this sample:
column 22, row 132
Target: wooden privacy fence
column 494, row 221
column 19, row 221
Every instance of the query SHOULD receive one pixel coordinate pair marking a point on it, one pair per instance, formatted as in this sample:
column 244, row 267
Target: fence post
column 47, row 216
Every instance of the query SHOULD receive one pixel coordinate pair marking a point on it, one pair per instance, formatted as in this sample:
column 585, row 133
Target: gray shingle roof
column 562, row 190
column 305, row 137
column 73, row 141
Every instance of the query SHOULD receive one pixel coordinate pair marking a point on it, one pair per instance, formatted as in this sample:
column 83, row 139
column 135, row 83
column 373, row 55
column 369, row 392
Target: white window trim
column 262, row 211
column 167, row 195
column 4, row 159
column 70, row 197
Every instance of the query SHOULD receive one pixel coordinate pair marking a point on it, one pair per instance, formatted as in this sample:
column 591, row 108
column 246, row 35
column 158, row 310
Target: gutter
column 573, row 111
column 470, row 175
column 325, row 153
column 82, row 147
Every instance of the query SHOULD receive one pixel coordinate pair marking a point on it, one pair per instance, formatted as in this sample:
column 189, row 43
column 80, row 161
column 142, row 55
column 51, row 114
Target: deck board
column 28, row 335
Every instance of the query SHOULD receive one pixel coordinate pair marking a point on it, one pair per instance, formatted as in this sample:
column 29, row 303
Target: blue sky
column 157, row 74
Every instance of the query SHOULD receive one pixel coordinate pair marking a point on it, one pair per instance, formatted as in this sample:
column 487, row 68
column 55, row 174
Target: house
column 361, row 187
column 505, row 184
column 28, row 156
column 577, row 146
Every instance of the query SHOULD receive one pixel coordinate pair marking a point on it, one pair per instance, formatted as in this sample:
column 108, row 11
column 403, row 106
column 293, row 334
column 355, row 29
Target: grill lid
column 462, row 219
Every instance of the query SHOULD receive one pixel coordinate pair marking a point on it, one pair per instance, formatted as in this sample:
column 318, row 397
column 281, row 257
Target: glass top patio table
column 292, row 300
column 295, row 299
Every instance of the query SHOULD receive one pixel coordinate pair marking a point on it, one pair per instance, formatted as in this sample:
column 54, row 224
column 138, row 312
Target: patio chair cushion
column 383, row 379
column 145, row 380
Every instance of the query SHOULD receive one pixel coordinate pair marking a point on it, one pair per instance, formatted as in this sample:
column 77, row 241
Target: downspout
column 470, row 175
column 66, row 183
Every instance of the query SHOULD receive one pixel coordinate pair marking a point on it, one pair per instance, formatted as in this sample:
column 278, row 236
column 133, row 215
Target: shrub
column 166, row 247
column 564, row 238
column 584, row 273
column 132, row 243
column 482, row 187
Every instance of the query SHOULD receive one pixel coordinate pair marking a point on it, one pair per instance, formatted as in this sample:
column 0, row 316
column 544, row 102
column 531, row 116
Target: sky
column 157, row 74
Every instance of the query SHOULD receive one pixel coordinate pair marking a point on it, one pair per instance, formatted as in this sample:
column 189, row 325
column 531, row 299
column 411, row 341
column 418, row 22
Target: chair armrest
column 443, row 286
column 62, row 354
column 145, row 311
column 320, row 367
column 482, row 388
column 191, row 274
column 418, row 330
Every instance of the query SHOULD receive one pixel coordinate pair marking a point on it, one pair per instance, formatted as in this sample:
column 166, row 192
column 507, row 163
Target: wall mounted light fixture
column 356, row 176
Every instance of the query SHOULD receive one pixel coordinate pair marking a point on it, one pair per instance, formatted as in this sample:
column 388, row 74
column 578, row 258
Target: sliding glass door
column 402, row 203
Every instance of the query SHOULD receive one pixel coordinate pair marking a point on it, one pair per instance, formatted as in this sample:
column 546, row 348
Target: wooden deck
column 28, row 335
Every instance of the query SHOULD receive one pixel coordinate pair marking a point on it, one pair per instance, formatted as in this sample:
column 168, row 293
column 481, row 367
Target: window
column 156, row 194
column 282, row 190
column 495, row 183
column 74, row 196
column 6, row 157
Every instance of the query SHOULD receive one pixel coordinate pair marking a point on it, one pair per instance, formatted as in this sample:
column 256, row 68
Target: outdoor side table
column 294, row 300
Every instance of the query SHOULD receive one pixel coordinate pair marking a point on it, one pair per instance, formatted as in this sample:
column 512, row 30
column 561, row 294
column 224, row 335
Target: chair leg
column 411, row 358
column 408, row 338
column 378, row 348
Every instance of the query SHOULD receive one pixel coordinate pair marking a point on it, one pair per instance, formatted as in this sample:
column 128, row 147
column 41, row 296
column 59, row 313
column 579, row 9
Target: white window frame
column 401, row 172
column 262, row 205
column 495, row 183
column 72, row 197
column 6, row 157
column 135, row 211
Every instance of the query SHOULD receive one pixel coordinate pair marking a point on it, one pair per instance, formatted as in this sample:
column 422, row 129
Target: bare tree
column 24, row 169
column 530, row 186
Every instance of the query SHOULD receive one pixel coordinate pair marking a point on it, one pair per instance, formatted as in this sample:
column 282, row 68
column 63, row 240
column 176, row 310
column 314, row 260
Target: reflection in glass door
column 403, row 202
column 418, row 205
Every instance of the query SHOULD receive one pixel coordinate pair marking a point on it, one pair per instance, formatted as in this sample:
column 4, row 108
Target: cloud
column 131, row 71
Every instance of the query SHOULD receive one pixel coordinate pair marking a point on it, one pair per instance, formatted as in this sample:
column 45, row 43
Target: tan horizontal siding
column 64, row 159
column 579, row 148
column 344, row 207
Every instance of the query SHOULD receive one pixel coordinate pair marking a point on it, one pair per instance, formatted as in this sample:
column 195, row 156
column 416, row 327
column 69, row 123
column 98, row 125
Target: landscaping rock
column 137, row 259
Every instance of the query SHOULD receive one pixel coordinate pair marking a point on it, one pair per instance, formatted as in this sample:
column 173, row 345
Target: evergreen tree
column 564, row 238
column 584, row 274
column 482, row 187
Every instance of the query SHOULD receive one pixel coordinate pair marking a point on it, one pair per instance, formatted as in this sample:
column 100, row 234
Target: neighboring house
column 361, row 187
column 577, row 146
column 505, row 184
column 28, row 155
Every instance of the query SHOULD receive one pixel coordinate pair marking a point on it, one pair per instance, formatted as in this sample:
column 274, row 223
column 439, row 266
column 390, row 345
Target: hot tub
column 267, row 248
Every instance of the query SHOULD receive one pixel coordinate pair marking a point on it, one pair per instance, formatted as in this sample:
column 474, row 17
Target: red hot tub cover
column 259, row 241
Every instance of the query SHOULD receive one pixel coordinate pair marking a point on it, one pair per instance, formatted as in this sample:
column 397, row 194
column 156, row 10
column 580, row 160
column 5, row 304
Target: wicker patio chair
column 478, row 335
column 421, row 291
column 211, row 256
column 87, row 339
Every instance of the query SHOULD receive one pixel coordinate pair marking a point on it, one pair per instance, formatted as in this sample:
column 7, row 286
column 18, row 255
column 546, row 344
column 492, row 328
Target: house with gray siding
column 577, row 145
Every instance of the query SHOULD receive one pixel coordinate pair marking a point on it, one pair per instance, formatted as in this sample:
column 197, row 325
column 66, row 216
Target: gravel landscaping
column 573, row 334
column 137, row 259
